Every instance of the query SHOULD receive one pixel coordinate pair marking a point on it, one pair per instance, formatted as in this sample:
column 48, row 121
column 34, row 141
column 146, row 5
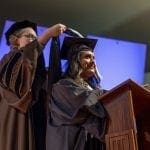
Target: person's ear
column 13, row 40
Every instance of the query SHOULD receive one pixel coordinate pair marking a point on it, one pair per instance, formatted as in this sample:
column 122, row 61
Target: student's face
column 87, row 61
column 26, row 36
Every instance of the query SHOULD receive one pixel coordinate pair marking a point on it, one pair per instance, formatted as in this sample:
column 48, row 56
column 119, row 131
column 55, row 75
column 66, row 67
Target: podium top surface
column 139, row 95
column 129, row 84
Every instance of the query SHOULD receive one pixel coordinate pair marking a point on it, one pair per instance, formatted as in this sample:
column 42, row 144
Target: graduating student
column 22, row 87
column 77, row 118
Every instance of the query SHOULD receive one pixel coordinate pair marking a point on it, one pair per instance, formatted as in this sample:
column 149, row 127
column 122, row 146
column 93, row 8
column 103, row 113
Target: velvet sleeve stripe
column 7, row 66
column 10, row 66
column 18, row 83
column 3, row 71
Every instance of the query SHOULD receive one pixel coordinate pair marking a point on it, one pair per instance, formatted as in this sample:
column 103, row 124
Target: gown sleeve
column 70, row 99
column 73, row 105
column 16, row 75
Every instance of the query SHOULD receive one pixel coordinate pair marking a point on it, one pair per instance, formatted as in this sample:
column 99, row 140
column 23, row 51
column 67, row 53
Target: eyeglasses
column 29, row 36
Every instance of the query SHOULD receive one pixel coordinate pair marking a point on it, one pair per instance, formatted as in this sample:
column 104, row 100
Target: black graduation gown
column 77, row 119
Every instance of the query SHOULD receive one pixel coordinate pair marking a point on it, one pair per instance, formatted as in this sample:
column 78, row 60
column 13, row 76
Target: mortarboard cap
column 19, row 25
column 69, row 42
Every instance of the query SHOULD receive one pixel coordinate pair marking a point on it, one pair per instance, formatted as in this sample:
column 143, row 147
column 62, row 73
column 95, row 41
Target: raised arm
column 52, row 31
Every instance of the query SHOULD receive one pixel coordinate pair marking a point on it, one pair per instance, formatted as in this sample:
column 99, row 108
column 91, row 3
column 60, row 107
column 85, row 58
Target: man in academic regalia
column 22, row 87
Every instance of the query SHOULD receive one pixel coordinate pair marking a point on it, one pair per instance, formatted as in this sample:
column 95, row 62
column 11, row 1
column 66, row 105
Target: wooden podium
column 128, row 107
